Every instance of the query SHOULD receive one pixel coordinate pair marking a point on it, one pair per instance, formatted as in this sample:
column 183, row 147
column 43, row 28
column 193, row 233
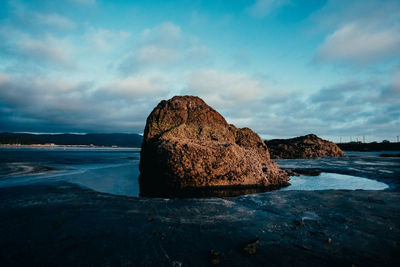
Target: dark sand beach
column 59, row 220
column 63, row 224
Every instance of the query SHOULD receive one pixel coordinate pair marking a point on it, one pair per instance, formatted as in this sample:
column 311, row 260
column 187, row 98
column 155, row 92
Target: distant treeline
column 369, row 146
column 115, row 139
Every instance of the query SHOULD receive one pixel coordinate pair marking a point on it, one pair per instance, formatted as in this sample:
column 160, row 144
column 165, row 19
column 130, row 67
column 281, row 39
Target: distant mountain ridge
column 96, row 139
column 384, row 146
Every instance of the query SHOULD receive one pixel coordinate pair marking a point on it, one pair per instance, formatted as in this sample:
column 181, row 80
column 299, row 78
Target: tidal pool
column 326, row 181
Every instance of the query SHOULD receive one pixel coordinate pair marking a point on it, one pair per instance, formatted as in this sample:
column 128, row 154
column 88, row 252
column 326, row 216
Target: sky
column 283, row 68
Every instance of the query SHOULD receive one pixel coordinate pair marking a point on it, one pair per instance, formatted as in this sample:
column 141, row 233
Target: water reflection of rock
column 221, row 191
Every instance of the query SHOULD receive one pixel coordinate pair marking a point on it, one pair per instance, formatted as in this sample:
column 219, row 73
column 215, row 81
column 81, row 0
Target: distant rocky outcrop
column 188, row 145
column 303, row 147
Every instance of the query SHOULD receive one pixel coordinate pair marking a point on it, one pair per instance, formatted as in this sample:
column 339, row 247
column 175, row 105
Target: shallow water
column 115, row 170
column 108, row 170
column 326, row 181
column 360, row 164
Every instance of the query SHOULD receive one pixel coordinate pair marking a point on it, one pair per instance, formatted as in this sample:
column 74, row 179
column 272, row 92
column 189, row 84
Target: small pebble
column 251, row 247
column 215, row 261
column 214, row 253
column 215, row 258
column 298, row 222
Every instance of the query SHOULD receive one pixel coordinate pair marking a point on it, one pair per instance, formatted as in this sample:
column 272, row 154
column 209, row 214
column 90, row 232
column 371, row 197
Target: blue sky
column 281, row 67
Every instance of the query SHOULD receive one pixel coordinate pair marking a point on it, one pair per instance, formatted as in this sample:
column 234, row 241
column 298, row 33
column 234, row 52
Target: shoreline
column 348, row 147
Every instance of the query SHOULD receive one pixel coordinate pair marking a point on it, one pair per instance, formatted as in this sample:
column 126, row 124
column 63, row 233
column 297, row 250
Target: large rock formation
column 188, row 145
column 303, row 147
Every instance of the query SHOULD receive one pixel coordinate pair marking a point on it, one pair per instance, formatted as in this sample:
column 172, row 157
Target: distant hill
column 114, row 139
column 384, row 146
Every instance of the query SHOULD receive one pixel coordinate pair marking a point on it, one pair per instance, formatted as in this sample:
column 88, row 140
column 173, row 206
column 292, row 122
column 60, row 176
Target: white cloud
column 103, row 39
column 224, row 89
column 54, row 20
column 361, row 32
column 350, row 108
column 242, row 98
column 60, row 104
column 160, row 45
column 157, row 47
column 39, row 21
column 262, row 8
column 396, row 80
column 356, row 43
column 165, row 34
column 164, row 47
column 32, row 39
column 37, row 95
column 156, row 54
column 337, row 13
column 198, row 52
column 47, row 49
column 134, row 87
column 4, row 78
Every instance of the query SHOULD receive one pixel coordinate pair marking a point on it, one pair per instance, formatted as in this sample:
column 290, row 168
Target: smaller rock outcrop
column 303, row 147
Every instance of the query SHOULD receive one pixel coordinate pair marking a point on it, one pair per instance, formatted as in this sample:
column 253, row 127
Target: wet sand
column 63, row 224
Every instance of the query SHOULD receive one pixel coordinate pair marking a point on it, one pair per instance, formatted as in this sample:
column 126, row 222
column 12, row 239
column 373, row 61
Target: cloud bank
column 88, row 66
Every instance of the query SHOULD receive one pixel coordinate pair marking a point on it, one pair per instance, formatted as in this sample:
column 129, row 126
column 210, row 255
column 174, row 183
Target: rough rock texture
column 303, row 147
column 188, row 145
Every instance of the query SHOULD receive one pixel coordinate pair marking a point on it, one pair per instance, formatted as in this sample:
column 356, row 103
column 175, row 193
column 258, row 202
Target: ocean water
column 116, row 170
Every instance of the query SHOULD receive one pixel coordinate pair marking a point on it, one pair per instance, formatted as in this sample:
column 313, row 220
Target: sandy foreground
column 63, row 224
